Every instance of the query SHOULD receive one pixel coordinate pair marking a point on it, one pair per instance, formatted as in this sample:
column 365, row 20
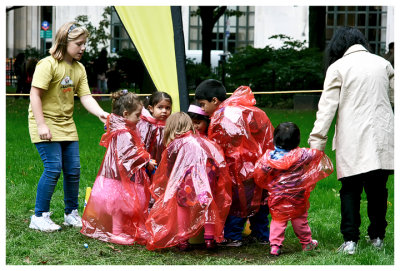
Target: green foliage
column 33, row 52
column 196, row 73
column 290, row 67
column 98, row 35
column 29, row 247
column 131, row 67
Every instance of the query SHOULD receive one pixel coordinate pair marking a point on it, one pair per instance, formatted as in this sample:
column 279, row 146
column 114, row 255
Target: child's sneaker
column 73, row 219
column 43, row 223
column 210, row 244
column 310, row 246
column 184, row 245
column 231, row 243
column 348, row 247
column 275, row 250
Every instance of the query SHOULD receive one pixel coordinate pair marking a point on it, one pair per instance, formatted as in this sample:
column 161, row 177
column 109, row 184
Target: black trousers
column 374, row 184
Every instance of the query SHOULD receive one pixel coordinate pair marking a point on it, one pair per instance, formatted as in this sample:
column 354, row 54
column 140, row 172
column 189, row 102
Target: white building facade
column 23, row 27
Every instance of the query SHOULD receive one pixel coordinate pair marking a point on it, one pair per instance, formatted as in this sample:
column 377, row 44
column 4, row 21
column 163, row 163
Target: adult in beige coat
column 359, row 88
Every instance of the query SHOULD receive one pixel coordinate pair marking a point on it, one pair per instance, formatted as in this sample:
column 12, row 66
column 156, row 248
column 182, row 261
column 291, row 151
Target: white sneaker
column 43, row 223
column 348, row 247
column 73, row 219
column 377, row 243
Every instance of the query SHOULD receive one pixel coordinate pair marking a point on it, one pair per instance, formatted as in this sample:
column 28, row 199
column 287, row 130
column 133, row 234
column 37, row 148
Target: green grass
column 28, row 247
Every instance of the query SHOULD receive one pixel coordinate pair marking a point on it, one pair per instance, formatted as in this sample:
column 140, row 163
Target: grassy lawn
column 28, row 247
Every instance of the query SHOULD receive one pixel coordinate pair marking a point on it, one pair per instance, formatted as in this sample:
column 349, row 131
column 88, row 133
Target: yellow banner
column 151, row 30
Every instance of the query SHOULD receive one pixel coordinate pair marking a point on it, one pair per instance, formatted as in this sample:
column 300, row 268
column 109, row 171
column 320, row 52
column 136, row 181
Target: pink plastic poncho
column 151, row 132
column 193, row 175
column 118, row 205
column 244, row 132
column 290, row 180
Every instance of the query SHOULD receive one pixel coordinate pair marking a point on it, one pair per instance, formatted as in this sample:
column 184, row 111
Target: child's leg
column 50, row 153
column 234, row 227
column 277, row 232
column 302, row 229
column 209, row 230
column 259, row 224
column 183, row 217
column 71, row 171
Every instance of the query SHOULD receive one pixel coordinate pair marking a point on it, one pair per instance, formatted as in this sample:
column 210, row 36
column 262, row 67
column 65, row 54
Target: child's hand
column 152, row 165
column 44, row 132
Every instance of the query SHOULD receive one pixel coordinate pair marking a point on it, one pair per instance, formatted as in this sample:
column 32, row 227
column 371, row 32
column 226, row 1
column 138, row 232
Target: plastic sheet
column 244, row 132
column 290, row 180
column 192, row 176
column 118, row 205
column 151, row 132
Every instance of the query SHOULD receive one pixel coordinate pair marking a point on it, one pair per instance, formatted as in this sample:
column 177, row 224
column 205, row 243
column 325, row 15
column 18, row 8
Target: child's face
column 200, row 125
column 76, row 48
column 209, row 107
column 134, row 116
column 161, row 111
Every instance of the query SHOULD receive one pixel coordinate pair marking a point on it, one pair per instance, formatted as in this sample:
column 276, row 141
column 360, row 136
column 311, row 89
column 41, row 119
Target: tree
column 98, row 35
column 209, row 16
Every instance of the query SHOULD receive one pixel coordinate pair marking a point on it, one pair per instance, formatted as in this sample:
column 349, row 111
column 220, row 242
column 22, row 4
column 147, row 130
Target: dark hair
column 210, row 88
column 123, row 100
column 343, row 39
column 287, row 136
column 391, row 45
column 195, row 116
column 157, row 97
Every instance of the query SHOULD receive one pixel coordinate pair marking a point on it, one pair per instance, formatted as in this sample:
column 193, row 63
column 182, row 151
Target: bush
column 196, row 73
column 291, row 67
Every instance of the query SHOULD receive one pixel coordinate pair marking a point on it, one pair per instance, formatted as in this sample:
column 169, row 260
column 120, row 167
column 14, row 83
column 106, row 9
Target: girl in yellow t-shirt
column 51, row 126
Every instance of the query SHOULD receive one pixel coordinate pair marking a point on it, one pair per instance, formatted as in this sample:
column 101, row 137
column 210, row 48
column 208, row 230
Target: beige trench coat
column 359, row 87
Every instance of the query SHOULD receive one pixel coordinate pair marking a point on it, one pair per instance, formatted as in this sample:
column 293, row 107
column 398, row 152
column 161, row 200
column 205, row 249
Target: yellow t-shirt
column 59, row 82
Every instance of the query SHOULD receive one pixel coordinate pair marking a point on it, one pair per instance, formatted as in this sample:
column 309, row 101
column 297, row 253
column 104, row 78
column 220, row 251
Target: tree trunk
column 317, row 24
column 208, row 21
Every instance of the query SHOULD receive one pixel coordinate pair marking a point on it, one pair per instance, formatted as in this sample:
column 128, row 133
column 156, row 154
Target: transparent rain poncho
column 192, row 174
column 244, row 132
column 151, row 132
column 118, row 205
column 290, row 179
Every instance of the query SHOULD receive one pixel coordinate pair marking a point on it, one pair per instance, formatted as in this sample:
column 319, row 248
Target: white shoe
column 43, row 223
column 73, row 219
column 377, row 243
column 348, row 247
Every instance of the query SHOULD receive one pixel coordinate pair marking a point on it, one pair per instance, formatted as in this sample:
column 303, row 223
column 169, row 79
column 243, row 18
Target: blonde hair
column 67, row 32
column 123, row 100
column 177, row 124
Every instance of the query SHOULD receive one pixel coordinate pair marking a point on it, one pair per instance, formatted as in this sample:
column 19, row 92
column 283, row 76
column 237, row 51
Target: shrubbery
column 291, row 67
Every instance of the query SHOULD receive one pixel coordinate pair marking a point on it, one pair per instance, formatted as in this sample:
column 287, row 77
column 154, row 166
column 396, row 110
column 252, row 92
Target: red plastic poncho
column 290, row 180
column 244, row 132
column 151, row 132
column 118, row 205
column 192, row 174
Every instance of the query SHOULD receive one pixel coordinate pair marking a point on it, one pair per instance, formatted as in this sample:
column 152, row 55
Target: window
column 119, row 37
column 241, row 30
column 370, row 20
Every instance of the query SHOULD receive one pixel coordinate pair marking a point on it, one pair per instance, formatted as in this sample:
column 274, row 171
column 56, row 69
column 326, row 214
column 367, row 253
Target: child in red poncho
column 118, row 205
column 289, row 173
column 200, row 119
column 152, row 123
column 244, row 132
column 190, row 188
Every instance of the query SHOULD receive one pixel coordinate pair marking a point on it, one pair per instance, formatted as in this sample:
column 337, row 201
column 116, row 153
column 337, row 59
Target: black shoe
column 231, row 243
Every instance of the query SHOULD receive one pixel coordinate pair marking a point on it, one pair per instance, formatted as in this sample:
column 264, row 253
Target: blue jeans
column 234, row 225
column 57, row 156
